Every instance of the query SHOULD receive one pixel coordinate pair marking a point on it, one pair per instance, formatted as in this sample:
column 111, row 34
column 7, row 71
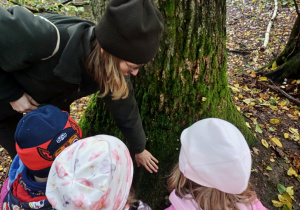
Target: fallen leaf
column 265, row 143
column 272, row 160
column 269, row 168
column 248, row 115
column 275, row 121
column 272, row 129
column 237, row 85
column 258, row 129
column 294, row 131
column 263, row 79
column 274, row 65
column 295, row 137
column 273, row 100
column 265, row 103
column 248, row 125
column 284, row 102
column 285, row 198
column 281, row 189
column 249, row 101
column 256, row 151
column 275, row 108
column 277, row 203
column 286, row 135
column 293, row 117
column 253, row 75
column 286, row 207
column 277, row 142
column 290, row 191
column 292, row 172
column 234, row 89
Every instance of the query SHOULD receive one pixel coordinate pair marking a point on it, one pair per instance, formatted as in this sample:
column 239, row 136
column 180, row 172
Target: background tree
column 186, row 82
column 287, row 63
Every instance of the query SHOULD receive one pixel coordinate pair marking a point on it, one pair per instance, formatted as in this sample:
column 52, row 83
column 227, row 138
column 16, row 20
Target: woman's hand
column 146, row 159
column 24, row 104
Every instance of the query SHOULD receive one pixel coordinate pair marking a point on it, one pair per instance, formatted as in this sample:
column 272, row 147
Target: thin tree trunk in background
column 288, row 62
column 184, row 83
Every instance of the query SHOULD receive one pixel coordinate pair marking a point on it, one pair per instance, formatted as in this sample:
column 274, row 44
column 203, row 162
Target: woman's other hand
column 146, row 159
column 24, row 104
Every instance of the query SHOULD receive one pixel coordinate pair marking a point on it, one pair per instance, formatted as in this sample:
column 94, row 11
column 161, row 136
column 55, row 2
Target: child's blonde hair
column 205, row 197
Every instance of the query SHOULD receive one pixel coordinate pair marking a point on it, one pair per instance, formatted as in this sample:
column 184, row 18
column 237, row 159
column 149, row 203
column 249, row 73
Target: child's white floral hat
column 93, row 173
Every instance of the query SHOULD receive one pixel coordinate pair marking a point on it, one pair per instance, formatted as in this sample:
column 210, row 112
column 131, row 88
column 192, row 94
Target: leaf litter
column 273, row 118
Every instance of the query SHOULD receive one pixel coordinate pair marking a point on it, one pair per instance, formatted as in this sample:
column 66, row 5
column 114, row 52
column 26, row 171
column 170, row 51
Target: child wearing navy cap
column 40, row 136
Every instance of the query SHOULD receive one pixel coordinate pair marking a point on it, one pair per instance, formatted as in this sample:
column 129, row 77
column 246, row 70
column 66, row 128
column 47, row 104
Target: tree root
column 260, row 71
column 286, row 70
column 277, row 89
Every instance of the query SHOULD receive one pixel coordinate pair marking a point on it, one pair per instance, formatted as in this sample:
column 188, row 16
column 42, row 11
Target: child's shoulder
column 256, row 205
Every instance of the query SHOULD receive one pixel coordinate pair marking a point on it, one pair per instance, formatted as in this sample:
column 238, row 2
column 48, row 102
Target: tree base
column 290, row 69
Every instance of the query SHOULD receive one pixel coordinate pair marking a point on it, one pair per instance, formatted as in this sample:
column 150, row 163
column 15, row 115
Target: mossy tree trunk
column 288, row 61
column 185, row 82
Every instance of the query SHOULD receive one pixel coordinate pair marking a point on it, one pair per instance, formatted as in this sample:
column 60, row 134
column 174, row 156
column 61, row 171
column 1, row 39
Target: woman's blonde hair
column 104, row 68
column 205, row 197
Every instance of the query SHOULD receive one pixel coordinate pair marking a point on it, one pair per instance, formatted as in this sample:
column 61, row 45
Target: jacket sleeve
column 9, row 88
column 127, row 117
column 24, row 40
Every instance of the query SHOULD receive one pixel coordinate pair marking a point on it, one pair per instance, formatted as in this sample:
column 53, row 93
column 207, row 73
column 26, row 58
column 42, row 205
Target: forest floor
column 271, row 116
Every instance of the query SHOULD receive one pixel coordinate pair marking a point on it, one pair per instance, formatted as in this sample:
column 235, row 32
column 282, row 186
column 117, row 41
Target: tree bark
column 288, row 61
column 185, row 82
column 98, row 8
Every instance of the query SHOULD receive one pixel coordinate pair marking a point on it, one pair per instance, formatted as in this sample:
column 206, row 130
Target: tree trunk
column 288, row 61
column 185, row 82
column 98, row 8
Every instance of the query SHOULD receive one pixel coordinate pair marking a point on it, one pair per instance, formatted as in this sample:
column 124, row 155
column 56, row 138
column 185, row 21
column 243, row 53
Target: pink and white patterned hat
column 93, row 173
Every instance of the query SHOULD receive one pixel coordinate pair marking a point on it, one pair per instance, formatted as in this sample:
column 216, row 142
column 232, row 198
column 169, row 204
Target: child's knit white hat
column 93, row 173
column 215, row 154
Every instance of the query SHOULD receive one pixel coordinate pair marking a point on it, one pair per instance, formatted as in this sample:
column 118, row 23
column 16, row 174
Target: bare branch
column 269, row 26
column 277, row 89
column 242, row 52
